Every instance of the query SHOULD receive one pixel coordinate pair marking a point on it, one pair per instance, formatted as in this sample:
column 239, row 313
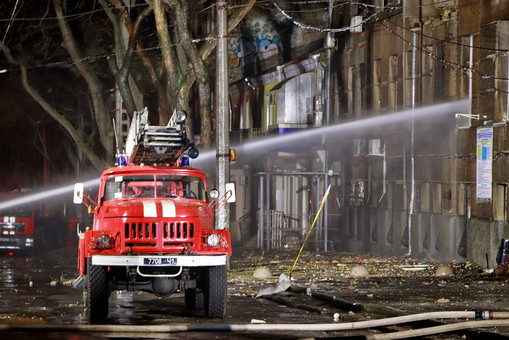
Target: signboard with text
column 484, row 163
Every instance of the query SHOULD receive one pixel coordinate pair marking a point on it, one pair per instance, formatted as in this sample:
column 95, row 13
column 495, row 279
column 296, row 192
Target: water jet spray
column 45, row 194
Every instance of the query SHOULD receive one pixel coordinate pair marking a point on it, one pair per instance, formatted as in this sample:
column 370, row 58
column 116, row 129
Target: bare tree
column 179, row 71
column 172, row 62
column 100, row 110
column 60, row 118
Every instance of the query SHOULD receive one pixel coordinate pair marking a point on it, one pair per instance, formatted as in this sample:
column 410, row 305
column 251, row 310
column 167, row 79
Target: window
column 466, row 62
column 408, row 79
column 465, row 79
column 154, row 186
column 501, row 88
column 393, row 82
column 428, row 83
column 350, row 89
column 16, row 211
column 355, row 86
column 379, row 86
column 499, row 201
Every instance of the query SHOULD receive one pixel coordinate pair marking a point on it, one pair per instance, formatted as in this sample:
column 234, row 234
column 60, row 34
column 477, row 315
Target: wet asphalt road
column 38, row 290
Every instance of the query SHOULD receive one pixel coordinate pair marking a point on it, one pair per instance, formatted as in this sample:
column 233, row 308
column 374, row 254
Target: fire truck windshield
column 154, row 186
column 18, row 210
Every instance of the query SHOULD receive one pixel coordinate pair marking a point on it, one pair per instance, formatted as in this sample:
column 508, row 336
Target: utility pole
column 223, row 116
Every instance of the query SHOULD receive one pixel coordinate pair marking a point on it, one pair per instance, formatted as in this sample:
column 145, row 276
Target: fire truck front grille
column 140, row 231
column 12, row 227
column 178, row 231
column 145, row 234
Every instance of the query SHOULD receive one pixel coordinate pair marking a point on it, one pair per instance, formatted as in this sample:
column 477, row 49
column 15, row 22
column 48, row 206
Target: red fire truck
column 153, row 226
column 17, row 224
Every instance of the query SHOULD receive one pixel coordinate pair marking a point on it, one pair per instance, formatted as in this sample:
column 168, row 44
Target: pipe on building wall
column 329, row 45
column 261, row 224
column 412, row 146
column 384, row 180
column 323, row 97
column 470, row 73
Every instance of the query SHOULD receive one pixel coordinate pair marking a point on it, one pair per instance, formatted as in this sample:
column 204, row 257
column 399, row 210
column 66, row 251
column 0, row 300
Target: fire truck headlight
column 213, row 240
column 105, row 241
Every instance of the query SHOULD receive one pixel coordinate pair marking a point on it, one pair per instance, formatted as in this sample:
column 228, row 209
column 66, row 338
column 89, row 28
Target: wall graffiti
column 245, row 47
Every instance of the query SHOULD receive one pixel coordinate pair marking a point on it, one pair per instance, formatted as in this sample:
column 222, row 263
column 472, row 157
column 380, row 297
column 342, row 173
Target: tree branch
column 233, row 20
column 66, row 125
column 101, row 114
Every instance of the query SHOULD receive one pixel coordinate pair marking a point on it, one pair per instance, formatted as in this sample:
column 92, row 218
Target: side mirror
column 230, row 188
column 214, row 194
column 229, row 194
column 78, row 193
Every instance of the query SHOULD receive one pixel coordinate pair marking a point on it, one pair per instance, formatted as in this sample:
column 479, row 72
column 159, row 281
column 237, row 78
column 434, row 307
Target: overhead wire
column 10, row 21
column 71, row 16
column 451, row 41
column 330, row 29
column 390, row 6
column 197, row 40
column 450, row 64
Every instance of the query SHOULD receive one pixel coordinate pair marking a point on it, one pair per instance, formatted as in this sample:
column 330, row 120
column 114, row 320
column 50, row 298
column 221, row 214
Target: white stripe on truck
column 168, row 209
column 149, row 209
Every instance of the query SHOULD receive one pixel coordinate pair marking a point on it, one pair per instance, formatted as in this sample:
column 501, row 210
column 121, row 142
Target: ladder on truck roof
column 150, row 144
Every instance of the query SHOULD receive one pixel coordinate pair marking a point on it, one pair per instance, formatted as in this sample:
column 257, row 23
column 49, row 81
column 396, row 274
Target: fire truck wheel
column 215, row 289
column 97, row 294
column 194, row 299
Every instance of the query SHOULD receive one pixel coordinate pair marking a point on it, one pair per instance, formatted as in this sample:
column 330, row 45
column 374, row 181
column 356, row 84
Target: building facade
column 401, row 108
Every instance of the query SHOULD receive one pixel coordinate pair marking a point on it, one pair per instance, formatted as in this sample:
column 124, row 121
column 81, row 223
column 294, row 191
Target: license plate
column 158, row 261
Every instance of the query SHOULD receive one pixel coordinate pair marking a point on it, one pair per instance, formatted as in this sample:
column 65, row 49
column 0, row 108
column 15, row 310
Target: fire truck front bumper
column 159, row 260
column 16, row 242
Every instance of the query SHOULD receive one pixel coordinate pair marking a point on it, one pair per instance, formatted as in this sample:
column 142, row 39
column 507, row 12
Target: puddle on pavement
column 37, row 290
column 31, row 290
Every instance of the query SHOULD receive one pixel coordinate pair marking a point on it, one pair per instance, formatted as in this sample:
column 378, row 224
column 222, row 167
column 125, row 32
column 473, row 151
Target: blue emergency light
column 193, row 153
column 121, row 160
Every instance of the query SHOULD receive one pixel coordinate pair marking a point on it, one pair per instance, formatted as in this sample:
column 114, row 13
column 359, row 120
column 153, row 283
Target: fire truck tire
column 194, row 299
column 215, row 292
column 97, row 293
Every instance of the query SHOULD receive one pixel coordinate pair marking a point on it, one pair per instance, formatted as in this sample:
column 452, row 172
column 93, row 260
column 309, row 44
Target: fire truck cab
column 153, row 228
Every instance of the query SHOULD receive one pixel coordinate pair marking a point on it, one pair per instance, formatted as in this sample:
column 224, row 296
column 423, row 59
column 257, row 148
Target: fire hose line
column 282, row 327
column 439, row 329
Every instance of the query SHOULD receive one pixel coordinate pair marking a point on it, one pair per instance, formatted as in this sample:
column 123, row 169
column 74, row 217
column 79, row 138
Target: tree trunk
column 64, row 123
column 181, row 13
column 100, row 111
column 169, row 59
column 234, row 19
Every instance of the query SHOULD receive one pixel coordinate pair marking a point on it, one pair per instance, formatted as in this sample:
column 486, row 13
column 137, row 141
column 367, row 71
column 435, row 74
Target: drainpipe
column 261, row 214
column 384, row 183
column 470, row 73
column 412, row 138
column 329, row 45
column 323, row 90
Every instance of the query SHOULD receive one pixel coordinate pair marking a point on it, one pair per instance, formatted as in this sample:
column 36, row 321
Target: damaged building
column 400, row 107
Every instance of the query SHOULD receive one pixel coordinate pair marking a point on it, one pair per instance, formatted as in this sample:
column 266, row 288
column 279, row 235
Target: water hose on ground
column 281, row 327
column 439, row 329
